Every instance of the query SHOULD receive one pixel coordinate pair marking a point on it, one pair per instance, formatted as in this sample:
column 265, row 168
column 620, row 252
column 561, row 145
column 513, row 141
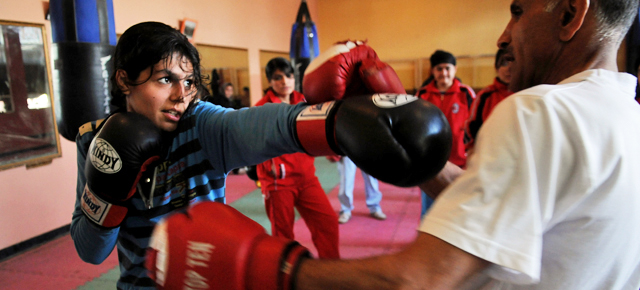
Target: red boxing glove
column 213, row 246
column 346, row 69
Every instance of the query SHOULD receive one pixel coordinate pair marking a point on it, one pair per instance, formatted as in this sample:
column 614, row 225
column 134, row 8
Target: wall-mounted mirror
column 227, row 65
column 28, row 131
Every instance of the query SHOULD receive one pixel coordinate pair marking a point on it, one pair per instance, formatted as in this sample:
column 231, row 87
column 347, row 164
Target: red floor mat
column 54, row 265
column 365, row 236
column 238, row 186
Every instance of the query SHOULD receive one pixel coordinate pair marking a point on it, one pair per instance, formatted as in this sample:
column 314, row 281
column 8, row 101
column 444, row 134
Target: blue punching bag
column 84, row 39
column 304, row 43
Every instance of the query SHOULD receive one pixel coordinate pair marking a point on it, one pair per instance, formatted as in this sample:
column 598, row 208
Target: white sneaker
column 379, row 215
column 344, row 217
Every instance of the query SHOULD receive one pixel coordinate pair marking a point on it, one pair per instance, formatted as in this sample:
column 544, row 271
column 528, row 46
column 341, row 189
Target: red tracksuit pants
column 308, row 197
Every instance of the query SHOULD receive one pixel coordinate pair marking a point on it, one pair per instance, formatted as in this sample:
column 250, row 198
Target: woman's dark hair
column 203, row 92
column 278, row 63
column 141, row 47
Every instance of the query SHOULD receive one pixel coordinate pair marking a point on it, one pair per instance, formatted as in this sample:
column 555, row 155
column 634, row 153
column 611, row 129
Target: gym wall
column 405, row 33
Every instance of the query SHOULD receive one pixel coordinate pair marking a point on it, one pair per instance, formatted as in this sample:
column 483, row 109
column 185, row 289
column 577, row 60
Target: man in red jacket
column 454, row 99
column 289, row 181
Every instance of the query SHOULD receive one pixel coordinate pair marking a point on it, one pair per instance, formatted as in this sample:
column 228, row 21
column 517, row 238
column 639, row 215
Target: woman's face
column 282, row 84
column 164, row 96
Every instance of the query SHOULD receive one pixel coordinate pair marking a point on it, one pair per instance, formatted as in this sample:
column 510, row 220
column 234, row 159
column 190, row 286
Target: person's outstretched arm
column 433, row 187
column 428, row 263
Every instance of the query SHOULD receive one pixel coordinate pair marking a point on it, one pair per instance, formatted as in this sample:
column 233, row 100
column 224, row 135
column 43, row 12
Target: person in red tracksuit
column 454, row 99
column 289, row 181
column 488, row 99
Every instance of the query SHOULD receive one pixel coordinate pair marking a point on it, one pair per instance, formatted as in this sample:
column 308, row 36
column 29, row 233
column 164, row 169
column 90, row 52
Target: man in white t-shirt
column 551, row 196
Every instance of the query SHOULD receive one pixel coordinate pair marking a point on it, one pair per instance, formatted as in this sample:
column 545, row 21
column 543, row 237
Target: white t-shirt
column 551, row 195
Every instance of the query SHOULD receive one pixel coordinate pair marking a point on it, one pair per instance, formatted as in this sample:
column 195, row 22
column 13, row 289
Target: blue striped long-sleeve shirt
column 208, row 142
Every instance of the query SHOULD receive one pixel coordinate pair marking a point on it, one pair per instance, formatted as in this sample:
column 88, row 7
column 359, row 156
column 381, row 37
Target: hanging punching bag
column 304, row 43
column 84, row 39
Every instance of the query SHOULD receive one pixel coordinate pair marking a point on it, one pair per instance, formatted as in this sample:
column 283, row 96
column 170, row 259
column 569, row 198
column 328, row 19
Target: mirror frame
column 30, row 156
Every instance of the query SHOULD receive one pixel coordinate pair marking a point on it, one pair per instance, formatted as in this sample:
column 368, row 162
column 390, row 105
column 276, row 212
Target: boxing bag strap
column 303, row 11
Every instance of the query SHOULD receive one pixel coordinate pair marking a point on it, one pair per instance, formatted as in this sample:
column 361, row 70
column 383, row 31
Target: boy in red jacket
column 454, row 99
column 289, row 181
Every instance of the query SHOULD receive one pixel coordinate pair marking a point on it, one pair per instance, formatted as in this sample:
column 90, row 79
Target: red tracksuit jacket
column 287, row 169
column 455, row 103
column 482, row 107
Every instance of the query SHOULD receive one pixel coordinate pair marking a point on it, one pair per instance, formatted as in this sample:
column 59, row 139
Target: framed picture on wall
column 188, row 28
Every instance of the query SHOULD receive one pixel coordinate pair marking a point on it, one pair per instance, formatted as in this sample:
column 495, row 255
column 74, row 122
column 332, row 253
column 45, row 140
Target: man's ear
column 573, row 15
column 121, row 80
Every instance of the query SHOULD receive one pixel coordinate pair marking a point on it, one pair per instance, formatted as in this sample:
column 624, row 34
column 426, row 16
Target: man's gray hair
column 614, row 17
